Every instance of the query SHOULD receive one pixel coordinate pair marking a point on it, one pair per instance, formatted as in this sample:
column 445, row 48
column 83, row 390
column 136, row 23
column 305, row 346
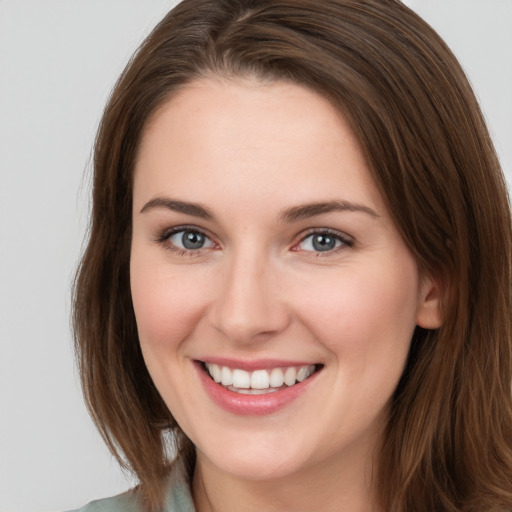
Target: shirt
column 178, row 497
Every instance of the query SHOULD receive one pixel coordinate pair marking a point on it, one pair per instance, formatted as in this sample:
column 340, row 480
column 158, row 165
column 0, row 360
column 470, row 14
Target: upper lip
column 254, row 364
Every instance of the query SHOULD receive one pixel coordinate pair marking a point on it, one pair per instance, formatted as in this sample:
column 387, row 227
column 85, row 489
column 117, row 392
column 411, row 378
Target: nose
column 248, row 307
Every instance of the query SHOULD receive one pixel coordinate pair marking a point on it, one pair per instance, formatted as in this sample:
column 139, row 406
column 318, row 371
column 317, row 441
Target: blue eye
column 189, row 239
column 322, row 242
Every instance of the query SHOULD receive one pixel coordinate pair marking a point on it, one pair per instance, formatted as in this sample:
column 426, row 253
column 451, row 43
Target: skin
column 247, row 151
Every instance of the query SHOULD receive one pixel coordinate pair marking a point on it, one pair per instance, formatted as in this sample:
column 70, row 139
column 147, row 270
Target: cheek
column 166, row 304
column 167, row 309
column 368, row 314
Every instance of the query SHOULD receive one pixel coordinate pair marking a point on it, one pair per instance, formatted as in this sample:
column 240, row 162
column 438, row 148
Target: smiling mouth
column 259, row 382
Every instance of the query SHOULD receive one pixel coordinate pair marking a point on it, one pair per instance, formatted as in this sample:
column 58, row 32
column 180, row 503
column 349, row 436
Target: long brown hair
column 448, row 441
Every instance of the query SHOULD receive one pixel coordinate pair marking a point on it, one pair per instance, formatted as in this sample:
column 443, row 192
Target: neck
column 332, row 485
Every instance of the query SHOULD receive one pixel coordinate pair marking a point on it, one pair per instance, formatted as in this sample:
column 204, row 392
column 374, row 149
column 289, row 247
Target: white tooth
column 226, row 376
column 290, row 375
column 259, row 379
column 304, row 372
column 276, row 378
column 252, row 391
column 241, row 379
column 215, row 372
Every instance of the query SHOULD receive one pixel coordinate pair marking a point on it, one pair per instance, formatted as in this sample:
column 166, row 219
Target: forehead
column 249, row 107
column 244, row 135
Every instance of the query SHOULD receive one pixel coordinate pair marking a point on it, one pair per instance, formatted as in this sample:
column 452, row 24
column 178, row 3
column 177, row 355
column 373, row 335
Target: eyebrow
column 185, row 207
column 307, row 210
column 293, row 214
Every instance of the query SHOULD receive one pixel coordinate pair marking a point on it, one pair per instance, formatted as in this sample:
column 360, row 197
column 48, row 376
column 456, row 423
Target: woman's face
column 263, row 251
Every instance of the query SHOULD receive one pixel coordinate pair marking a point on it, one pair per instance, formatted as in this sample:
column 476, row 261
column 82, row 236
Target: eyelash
column 345, row 242
column 164, row 237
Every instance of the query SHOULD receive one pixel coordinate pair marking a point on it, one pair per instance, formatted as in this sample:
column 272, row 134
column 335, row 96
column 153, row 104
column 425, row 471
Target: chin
column 258, row 460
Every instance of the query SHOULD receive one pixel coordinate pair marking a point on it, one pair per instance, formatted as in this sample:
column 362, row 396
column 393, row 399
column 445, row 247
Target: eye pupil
column 192, row 240
column 323, row 242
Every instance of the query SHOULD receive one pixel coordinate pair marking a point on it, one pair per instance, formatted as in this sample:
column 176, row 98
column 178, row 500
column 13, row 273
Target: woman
column 298, row 272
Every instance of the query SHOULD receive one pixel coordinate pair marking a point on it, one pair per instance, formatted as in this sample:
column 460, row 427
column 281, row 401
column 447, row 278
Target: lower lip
column 251, row 405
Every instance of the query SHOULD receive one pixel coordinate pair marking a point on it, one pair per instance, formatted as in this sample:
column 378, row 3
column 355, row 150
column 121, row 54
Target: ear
column 429, row 314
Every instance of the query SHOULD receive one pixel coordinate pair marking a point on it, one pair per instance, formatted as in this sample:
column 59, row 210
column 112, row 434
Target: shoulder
column 126, row 502
column 178, row 499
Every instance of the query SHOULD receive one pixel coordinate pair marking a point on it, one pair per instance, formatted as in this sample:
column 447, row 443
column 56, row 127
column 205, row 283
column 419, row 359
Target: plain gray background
column 58, row 62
